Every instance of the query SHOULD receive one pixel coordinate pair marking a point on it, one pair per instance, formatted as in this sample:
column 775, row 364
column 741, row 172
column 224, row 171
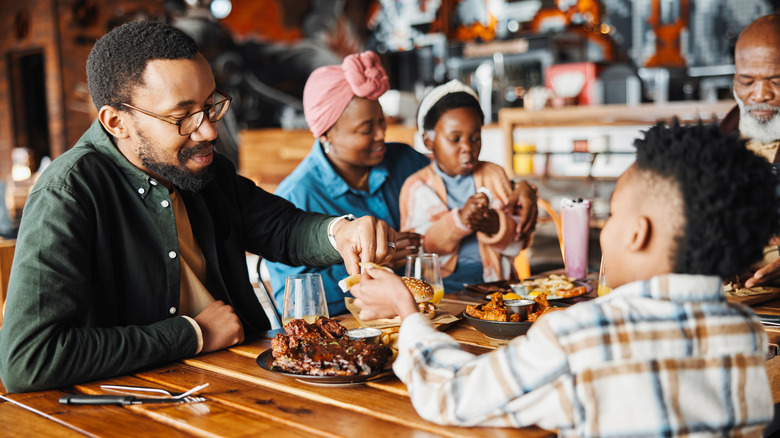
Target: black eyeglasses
column 189, row 124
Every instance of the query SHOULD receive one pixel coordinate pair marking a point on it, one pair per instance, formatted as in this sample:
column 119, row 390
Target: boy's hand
column 382, row 294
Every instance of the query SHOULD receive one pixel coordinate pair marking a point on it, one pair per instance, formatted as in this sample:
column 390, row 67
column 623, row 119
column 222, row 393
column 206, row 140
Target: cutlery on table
column 107, row 399
column 110, row 399
column 149, row 390
column 771, row 320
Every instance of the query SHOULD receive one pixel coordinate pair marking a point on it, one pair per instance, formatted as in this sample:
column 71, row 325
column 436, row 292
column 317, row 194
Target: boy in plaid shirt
column 664, row 354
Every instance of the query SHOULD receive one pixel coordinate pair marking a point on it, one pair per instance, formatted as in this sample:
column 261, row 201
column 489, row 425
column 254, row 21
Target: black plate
column 483, row 290
column 498, row 329
column 266, row 360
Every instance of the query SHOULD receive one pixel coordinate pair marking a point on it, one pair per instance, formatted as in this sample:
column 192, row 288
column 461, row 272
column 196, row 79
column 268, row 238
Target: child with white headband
column 457, row 202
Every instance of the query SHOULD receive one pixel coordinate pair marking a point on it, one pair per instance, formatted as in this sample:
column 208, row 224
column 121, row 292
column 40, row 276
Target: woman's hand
column 406, row 243
column 522, row 204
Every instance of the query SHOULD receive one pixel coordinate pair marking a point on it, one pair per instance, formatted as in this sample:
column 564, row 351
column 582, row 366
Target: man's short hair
column 117, row 62
column 729, row 195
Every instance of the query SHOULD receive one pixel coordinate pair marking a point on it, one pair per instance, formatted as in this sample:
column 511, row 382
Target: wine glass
column 304, row 298
column 426, row 267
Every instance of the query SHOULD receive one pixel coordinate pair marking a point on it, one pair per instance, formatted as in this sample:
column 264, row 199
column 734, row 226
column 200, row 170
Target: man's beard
column 181, row 177
column 762, row 131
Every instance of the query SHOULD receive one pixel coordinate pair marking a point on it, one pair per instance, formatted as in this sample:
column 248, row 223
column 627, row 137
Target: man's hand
column 382, row 294
column 406, row 243
column 767, row 273
column 363, row 240
column 522, row 203
column 220, row 326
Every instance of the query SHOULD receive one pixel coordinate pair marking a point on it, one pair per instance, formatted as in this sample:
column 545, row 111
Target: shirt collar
column 336, row 185
column 457, row 179
column 141, row 182
column 675, row 288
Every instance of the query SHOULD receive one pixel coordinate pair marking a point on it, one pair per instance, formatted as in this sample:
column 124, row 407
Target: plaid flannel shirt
column 664, row 357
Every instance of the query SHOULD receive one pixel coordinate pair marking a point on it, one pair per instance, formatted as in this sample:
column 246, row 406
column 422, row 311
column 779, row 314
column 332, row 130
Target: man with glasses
column 131, row 250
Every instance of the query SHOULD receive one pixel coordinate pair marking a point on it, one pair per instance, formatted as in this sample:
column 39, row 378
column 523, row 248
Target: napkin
column 440, row 317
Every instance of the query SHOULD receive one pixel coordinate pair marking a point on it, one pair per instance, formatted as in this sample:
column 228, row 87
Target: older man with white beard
column 757, row 115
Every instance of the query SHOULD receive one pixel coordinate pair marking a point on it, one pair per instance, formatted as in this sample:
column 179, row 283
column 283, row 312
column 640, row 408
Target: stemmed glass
column 426, row 267
column 304, row 298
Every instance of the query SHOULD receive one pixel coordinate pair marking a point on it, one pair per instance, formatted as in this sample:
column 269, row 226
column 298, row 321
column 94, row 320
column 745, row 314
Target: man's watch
column 331, row 236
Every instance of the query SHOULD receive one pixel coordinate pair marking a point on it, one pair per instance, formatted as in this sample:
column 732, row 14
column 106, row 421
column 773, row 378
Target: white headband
column 435, row 95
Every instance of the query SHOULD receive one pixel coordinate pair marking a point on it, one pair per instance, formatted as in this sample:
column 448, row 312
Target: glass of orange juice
column 603, row 289
column 426, row 267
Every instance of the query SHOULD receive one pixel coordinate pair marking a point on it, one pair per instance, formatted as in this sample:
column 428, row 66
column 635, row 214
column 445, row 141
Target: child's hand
column 382, row 294
column 474, row 211
column 488, row 223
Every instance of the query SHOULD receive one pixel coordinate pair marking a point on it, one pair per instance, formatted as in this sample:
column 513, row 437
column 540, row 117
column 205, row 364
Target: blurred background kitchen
column 565, row 84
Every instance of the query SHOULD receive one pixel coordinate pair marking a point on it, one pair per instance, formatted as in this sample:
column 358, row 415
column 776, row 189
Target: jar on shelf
column 524, row 158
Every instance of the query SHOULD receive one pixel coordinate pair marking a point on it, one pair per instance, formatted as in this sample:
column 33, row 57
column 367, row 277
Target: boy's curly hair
column 117, row 62
column 461, row 99
column 729, row 195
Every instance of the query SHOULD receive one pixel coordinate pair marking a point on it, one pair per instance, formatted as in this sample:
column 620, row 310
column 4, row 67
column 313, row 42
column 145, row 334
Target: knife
column 106, row 399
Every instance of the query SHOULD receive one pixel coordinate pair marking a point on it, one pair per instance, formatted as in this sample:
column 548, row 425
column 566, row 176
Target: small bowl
column 368, row 335
column 520, row 289
column 498, row 329
column 520, row 307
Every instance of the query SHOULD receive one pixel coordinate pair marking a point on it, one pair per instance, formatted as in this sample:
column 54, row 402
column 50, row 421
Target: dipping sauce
column 366, row 334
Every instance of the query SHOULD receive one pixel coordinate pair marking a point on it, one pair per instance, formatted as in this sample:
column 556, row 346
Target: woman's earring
column 326, row 147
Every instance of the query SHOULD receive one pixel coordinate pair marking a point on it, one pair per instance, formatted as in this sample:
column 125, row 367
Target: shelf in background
column 510, row 119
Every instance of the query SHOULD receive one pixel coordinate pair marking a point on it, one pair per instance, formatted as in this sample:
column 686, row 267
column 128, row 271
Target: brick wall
column 64, row 35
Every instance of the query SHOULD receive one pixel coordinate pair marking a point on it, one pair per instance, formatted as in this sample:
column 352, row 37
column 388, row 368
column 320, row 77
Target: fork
column 173, row 395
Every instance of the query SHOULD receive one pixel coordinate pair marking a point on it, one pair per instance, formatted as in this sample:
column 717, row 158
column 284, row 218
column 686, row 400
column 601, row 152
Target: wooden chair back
column 7, row 247
column 522, row 264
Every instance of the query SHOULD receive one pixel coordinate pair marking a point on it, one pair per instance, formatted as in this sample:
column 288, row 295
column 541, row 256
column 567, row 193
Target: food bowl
column 369, row 335
column 520, row 307
column 498, row 329
column 520, row 289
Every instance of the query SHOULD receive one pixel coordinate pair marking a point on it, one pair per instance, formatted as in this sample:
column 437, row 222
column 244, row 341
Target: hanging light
column 221, row 8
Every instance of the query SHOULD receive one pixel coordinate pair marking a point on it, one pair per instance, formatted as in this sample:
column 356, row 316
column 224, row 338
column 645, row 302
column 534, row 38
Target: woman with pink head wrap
column 350, row 169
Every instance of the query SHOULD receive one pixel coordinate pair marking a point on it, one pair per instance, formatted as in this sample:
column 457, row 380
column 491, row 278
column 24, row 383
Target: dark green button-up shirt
column 94, row 288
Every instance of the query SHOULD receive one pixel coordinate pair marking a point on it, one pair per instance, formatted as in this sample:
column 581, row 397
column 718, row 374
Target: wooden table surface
column 247, row 400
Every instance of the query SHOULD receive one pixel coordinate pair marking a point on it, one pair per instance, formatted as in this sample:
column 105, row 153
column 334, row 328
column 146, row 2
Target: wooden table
column 246, row 400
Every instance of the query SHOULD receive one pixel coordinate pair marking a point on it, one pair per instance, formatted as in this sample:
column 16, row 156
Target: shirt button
column 141, row 190
column 172, row 310
column 153, row 182
column 165, row 203
column 172, row 254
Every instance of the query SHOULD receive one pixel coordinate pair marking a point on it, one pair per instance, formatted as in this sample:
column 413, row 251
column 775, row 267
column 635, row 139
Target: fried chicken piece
column 544, row 307
column 495, row 310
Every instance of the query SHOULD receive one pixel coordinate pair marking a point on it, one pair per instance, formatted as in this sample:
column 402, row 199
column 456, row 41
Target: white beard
column 758, row 130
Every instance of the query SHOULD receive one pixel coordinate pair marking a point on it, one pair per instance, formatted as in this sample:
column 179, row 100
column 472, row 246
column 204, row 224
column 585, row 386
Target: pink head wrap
column 329, row 89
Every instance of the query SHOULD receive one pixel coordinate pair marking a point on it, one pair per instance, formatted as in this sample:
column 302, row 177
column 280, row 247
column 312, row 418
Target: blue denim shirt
column 315, row 186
